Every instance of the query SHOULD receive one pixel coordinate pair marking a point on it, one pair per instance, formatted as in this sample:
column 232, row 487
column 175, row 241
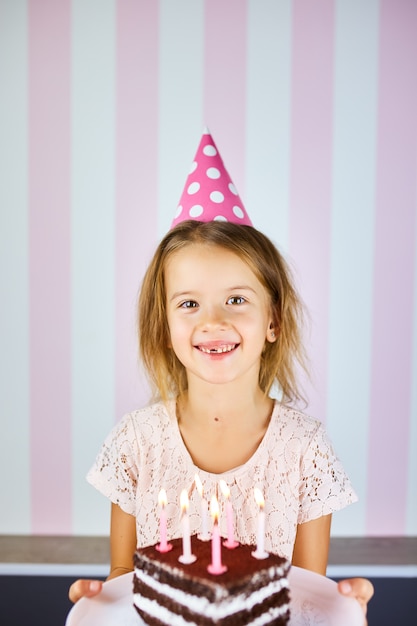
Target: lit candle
column 260, row 553
column 163, row 546
column 204, row 534
column 216, row 567
column 230, row 541
column 186, row 556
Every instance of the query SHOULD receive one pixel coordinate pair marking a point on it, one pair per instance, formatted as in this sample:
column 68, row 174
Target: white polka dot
column 209, row 150
column 216, row 196
column 178, row 211
column 220, row 218
column 238, row 212
column 196, row 210
column 193, row 188
column 213, row 172
column 193, row 167
column 233, row 188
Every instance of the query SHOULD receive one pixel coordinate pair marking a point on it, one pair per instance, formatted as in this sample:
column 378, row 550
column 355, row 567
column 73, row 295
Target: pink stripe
column 136, row 180
column 311, row 177
column 394, row 261
column 49, row 241
column 225, row 83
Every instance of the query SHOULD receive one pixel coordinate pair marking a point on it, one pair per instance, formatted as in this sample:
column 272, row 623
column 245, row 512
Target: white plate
column 315, row 601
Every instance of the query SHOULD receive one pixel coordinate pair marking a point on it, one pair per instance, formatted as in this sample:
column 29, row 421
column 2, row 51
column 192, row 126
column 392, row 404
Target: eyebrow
column 181, row 294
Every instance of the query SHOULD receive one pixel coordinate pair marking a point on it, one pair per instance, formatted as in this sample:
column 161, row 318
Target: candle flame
column 214, row 509
column 224, row 489
column 198, row 484
column 162, row 498
column 184, row 500
column 259, row 498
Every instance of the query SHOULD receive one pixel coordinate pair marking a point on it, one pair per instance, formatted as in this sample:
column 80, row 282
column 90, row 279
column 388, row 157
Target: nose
column 213, row 317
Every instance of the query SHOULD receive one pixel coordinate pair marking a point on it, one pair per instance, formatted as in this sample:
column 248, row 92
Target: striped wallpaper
column 313, row 106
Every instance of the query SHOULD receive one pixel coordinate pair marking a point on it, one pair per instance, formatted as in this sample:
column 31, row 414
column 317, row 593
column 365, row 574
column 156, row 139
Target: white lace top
column 295, row 467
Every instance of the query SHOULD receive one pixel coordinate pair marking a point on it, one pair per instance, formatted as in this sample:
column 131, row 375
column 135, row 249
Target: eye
column 236, row 300
column 188, row 304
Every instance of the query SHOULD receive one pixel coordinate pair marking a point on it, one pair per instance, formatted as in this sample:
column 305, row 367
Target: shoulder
column 157, row 411
column 294, row 432
column 294, row 422
column 152, row 417
column 141, row 423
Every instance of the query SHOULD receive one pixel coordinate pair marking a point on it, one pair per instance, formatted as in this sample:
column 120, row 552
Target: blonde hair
column 279, row 360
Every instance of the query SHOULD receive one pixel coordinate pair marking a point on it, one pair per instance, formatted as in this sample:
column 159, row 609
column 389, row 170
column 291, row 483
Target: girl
column 219, row 329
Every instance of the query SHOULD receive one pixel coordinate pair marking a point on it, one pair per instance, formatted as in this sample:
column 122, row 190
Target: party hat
column 209, row 193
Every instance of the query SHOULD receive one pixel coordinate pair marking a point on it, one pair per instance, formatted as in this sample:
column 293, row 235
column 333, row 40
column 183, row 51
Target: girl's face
column 218, row 313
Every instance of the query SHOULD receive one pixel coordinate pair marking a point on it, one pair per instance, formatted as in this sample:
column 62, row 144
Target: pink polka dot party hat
column 209, row 193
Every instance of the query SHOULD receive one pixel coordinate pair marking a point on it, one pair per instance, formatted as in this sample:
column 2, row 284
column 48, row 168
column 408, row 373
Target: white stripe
column 355, row 105
column 268, row 118
column 372, row 571
column 93, row 198
column 14, row 279
column 101, row 571
column 55, row 569
column 181, row 51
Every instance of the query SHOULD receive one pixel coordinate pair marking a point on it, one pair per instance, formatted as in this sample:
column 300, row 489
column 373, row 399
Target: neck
column 224, row 404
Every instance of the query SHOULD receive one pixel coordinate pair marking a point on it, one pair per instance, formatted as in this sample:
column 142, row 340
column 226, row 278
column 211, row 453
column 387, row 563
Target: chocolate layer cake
column 251, row 591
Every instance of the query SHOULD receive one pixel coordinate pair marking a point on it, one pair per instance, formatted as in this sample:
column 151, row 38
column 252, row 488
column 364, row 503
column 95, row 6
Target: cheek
column 178, row 331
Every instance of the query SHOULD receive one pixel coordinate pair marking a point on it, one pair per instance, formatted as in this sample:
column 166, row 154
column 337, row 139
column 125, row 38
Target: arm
column 122, row 541
column 311, row 547
column 122, row 547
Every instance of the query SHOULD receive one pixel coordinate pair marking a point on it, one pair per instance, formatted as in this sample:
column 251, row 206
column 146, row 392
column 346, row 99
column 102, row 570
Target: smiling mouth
column 218, row 349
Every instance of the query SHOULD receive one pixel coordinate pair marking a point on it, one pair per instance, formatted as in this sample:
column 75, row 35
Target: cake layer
column 251, row 591
column 278, row 616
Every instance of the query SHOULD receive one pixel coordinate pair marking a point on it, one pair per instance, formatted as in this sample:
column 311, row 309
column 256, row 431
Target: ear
column 271, row 334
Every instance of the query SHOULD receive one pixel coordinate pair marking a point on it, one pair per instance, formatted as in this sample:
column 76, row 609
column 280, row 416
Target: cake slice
column 251, row 591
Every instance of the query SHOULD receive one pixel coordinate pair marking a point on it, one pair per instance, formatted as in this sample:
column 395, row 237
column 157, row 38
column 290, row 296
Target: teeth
column 218, row 350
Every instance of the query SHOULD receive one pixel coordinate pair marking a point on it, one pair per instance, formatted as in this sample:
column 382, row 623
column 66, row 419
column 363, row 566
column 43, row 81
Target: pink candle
column 216, row 567
column 260, row 552
column 230, row 541
column 163, row 546
column 187, row 556
column 204, row 535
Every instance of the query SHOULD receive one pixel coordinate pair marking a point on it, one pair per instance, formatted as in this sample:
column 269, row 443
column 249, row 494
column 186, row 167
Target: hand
column 360, row 588
column 84, row 589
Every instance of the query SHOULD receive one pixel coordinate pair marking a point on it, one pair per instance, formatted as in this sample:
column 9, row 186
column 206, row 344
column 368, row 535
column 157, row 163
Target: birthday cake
column 251, row 591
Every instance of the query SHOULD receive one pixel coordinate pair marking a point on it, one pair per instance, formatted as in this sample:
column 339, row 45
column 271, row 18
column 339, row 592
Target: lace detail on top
column 294, row 466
